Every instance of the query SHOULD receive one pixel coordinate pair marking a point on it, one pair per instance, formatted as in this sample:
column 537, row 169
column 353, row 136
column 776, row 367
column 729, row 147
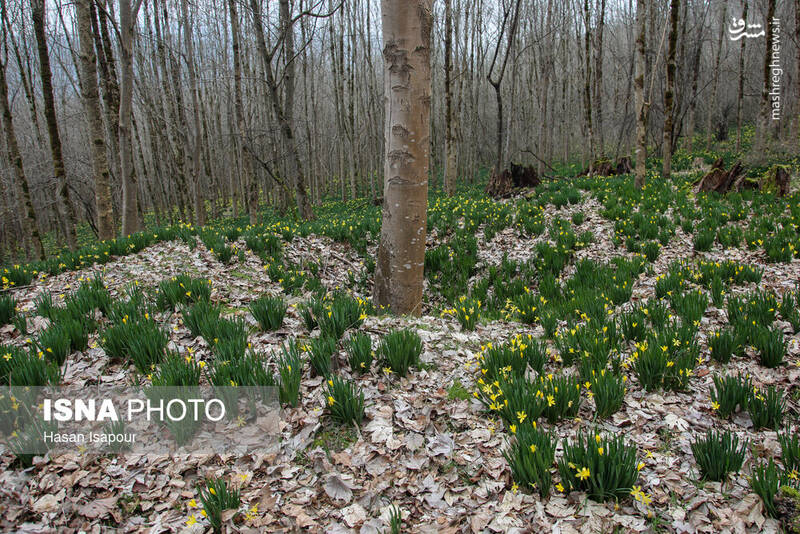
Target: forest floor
column 427, row 445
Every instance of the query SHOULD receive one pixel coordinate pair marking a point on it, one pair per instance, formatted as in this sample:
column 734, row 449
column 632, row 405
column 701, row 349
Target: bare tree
column 740, row 89
column 250, row 183
column 715, row 79
column 451, row 149
column 29, row 218
column 407, row 84
column 59, row 172
column 128, row 11
column 91, row 100
column 763, row 123
column 193, row 151
column 641, row 105
column 669, row 93
column 496, row 78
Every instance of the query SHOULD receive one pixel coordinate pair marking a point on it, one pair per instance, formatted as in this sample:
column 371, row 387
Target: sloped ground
column 426, row 445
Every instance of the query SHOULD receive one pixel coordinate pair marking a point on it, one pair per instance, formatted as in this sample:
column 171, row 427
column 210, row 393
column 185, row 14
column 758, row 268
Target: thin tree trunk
column 587, row 83
column 641, row 105
column 766, row 113
column 695, row 67
column 102, row 182
column 294, row 167
column 59, row 172
column 407, row 29
column 27, row 213
column 496, row 82
column 451, row 149
column 193, row 151
column 130, row 204
column 715, row 80
column 797, row 69
column 669, row 93
column 598, row 78
column 250, row 183
column 740, row 92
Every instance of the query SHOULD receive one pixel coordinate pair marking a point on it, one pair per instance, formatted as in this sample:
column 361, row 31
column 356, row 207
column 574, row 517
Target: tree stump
column 720, row 180
column 500, row 184
column 524, row 176
column 787, row 505
column 776, row 181
column 624, row 166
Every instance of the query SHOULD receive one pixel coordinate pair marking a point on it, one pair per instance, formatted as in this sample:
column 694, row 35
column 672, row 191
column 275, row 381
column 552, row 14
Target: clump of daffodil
column 215, row 498
column 344, row 401
column 604, row 467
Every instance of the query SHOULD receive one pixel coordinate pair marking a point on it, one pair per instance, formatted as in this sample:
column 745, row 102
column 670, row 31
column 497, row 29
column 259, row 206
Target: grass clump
column 182, row 289
column 718, row 453
column 723, row 345
column 320, row 351
column 216, row 497
column 704, row 240
column 177, row 371
column 341, row 313
column 497, row 360
column 770, row 344
column 269, row 312
column 608, row 391
column 562, row 396
column 201, row 317
column 139, row 340
column 25, row 368
column 8, row 309
column 467, row 310
column 54, row 343
column 513, row 398
column 530, row 455
column 359, row 352
column 290, row 369
column 690, row 306
column 605, row 468
column 242, row 369
column 730, row 392
column 765, row 481
column 790, row 450
column 345, row 401
column 766, row 408
column 400, row 349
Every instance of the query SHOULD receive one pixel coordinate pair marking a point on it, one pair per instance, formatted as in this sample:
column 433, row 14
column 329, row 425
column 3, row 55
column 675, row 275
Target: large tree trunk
column 407, row 89
column 641, row 105
column 450, row 148
column 91, row 102
column 27, row 213
column 59, row 172
column 669, row 94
